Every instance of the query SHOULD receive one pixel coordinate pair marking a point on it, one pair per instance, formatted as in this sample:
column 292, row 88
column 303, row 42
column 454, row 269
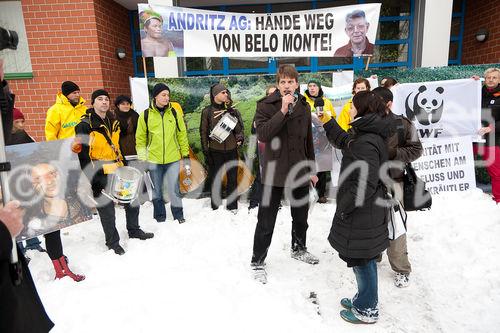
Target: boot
column 62, row 270
column 140, row 234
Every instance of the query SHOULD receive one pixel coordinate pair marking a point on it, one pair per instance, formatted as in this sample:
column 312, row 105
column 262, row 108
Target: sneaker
column 118, row 250
column 139, row 234
column 259, row 273
column 322, row 200
column 303, row 255
column 233, row 211
column 348, row 316
column 181, row 221
column 346, row 303
column 402, row 280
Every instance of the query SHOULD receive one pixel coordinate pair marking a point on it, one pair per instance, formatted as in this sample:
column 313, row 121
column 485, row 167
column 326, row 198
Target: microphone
column 319, row 104
column 291, row 105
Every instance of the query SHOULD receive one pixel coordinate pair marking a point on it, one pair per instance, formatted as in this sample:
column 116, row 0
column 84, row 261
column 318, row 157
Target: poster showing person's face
column 46, row 179
column 356, row 29
column 156, row 40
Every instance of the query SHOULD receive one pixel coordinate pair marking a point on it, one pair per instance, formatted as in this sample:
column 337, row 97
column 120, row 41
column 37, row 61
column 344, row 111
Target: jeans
column 365, row 302
column 158, row 174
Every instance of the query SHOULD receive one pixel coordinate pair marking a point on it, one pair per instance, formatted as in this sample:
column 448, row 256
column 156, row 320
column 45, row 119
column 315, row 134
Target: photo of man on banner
column 356, row 28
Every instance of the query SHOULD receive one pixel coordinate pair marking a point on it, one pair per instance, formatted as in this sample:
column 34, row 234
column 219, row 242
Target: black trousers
column 106, row 210
column 53, row 244
column 266, row 219
column 321, row 184
column 219, row 158
column 255, row 190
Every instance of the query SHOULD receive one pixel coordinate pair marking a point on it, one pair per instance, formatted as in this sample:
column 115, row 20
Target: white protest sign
column 447, row 165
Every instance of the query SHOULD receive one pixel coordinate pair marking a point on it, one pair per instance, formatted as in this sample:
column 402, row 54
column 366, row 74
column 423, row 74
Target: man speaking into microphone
column 283, row 123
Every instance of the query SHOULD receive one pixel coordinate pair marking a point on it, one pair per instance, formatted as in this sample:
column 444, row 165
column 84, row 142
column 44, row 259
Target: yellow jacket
column 62, row 118
column 327, row 108
column 344, row 118
column 96, row 147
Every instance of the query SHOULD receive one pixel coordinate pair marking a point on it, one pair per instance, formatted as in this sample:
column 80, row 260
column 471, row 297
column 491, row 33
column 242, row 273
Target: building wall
column 481, row 14
column 76, row 41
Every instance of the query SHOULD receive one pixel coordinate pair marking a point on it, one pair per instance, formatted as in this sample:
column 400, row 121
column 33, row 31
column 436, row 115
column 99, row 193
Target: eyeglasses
column 358, row 27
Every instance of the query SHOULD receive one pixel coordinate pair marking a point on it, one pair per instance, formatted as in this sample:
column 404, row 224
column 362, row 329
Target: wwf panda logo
column 426, row 105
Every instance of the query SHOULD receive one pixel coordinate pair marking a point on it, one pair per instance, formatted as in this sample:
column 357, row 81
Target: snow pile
column 195, row 277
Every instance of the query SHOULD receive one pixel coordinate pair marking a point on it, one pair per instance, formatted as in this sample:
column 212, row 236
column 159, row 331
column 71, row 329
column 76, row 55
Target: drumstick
column 218, row 113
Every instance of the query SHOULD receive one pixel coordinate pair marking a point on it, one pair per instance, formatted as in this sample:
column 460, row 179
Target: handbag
column 415, row 196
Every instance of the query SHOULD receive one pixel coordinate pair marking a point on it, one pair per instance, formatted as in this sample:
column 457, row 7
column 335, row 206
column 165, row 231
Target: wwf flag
column 441, row 108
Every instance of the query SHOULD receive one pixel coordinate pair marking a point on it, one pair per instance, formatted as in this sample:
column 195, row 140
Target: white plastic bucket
column 126, row 184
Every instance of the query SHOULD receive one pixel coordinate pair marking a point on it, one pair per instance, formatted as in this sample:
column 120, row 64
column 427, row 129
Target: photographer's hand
column 12, row 216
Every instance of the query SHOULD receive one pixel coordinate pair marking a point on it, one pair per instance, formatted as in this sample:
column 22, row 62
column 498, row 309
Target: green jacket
column 165, row 143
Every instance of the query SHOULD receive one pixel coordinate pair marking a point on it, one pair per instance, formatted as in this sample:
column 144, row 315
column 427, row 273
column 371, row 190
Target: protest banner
column 46, row 178
column 185, row 32
column 447, row 165
column 440, row 108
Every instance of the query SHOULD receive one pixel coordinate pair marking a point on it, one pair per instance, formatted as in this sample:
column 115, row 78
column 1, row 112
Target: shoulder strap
column 146, row 116
column 108, row 140
column 174, row 112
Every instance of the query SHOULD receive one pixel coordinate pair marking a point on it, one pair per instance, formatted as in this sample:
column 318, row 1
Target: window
column 18, row 62
column 457, row 33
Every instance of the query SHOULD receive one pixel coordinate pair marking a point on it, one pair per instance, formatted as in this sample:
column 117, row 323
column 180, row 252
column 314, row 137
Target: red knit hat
column 18, row 114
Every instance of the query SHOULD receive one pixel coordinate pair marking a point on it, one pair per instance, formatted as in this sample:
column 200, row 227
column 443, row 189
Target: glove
column 325, row 117
column 110, row 168
column 76, row 146
column 239, row 139
column 187, row 166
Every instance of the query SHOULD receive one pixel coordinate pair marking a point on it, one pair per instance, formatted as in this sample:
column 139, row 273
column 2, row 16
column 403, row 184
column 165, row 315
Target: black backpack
column 415, row 196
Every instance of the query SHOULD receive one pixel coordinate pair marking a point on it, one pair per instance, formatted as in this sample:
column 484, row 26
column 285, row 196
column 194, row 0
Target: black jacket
column 6, row 105
column 406, row 149
column 359, row 228
column 128, row 126
column 21, row 310
column 208, row 123
column 288, row 140
column 490, row 104
column 20, row 137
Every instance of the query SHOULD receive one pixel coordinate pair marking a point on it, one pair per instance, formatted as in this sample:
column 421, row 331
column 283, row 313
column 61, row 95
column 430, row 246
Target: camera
column 8, row 39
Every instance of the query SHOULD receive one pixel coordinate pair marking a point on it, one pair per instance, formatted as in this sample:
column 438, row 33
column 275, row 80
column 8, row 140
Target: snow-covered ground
column 195, row 277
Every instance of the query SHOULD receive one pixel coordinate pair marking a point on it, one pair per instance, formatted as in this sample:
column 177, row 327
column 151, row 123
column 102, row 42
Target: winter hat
column 158, row 88
column 97, row 93
column 122, row 98
column 68, row 87
column 316, row 82
column 217, row 89
column 18, row 114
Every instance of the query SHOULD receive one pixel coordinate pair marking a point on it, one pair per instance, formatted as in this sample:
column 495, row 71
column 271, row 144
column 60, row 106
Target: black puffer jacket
column 490, row 104
column 359, row 228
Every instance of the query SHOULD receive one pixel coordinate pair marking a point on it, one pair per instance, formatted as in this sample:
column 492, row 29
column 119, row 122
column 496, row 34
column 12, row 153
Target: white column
column 165, row 66
column 436, row 32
